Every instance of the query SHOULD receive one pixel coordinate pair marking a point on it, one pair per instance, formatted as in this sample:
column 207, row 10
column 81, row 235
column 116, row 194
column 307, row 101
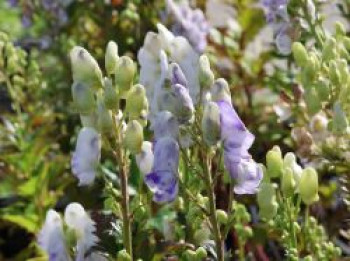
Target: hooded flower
column 237, row 140
column 189, row 23
column 158, row 50
column 86, row 156
column 163, row 180
column 166, row 124
column 145, row 158
column 84, row 228
column 51, row 237
column 178, row 101
column 277, row 16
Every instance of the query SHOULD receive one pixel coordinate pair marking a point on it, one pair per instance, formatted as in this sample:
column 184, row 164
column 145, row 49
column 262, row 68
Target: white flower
column 145, row 158
column 289, row 161
column 51, row 237
column 219, row 13
column 158, row 50
column 84, row 228
column 86, row 156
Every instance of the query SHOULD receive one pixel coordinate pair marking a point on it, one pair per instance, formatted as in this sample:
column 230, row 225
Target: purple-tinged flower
column 26, row 20
column 189, row 23
column 165, row 125
column 51, row 238
column 275, row 10
column 86, row 156
column 247, row 174
column 237, row 140
column 12, row 3
column 178, row 101
column 84, row 228
column 163, row 180
column 176, row 75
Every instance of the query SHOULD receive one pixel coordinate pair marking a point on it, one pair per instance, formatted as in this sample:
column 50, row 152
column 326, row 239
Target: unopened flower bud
column 266, row 198
column 340, row 121
column 145, row 158
column 221, row 216
column 334, row 74
column 211, row 123
column 300, row 54
column 110, row 95
column 289, row 161
column 176, row 75
column 133, row 138
column 340, row 29
column 124, row 75
column 288, row 183
column 201, row 253
column 312, row 101
column 85, row 68
column 190, row 254
column 323, row 90
column 111, row 57
column 311, row 69
column 220, row 91
column 137, row 104
column 206, row 76
column 83, row 98
column 308, row 186
column 329, row 50
column 274, row 162
column 123, row 256
column 104, row 117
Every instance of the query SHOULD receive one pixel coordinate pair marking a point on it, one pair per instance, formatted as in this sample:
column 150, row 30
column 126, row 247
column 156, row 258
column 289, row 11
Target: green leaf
column 28, row 222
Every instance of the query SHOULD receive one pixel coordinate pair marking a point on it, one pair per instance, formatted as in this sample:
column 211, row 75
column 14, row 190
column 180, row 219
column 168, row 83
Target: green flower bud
column 123, row 256
column 343, row 70
column 137, row 104
column 104, row 117
column 290, row 161
column 110, row 95
column 266, row 198
column 201, row 235
column 334, row 74
column 190, row 255
column 274, row 162
column 89, row 120
column 111, row 57
column 124, row 75
column 300, row 54
column 329, row 51
column 221, row 215
column 339, row 29
column 311, row 69
column 288, row 183
column 346, row 42
column 201, row 253
column 340, row 122
column 323, row 90
column 84, row 67
column 206, row 76
column 312, row 101
column 308, row 186
column 220, row 91
column 83, row 98
column 133, row 137
column 211, row 123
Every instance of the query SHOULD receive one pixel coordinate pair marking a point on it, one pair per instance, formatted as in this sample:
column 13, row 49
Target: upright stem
column 212, row 210
column 123, row 175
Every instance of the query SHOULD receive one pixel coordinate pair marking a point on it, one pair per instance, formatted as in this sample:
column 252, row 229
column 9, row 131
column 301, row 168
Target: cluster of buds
column 55, row 238
column 97, row 100
column 293, row 180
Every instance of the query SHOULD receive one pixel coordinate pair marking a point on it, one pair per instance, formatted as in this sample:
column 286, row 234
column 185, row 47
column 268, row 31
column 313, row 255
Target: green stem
column 212, row 208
